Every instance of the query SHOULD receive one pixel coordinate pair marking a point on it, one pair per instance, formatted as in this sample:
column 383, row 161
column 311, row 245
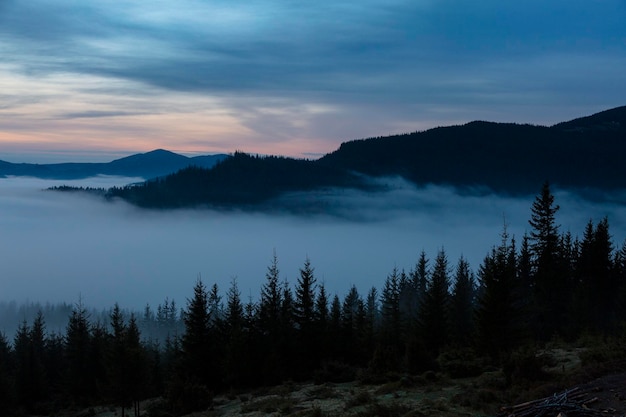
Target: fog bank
column 61, row 246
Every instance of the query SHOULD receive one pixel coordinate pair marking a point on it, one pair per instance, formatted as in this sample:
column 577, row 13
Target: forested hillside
column 585, row 154
column 441, row 315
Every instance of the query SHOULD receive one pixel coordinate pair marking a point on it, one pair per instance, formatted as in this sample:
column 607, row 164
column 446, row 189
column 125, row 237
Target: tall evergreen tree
column 80, row 378
column 597, row 277
column 497, row 314
column 6, row 387
column 434, row 316
column 462, row 305
column 198, row 360
column 305, row 297
column 304, row 312
column 271, row 298
column 553, row 291
column 391, row 320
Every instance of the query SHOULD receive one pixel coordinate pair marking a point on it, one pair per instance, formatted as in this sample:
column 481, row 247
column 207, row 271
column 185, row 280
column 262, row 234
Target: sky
column 97, row 80
column 60, row 247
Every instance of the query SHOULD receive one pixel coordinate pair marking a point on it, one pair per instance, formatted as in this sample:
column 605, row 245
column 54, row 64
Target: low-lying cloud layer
column 62, row 246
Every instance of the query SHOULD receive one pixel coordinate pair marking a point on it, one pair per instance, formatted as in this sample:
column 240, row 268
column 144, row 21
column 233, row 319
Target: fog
column 59, row 247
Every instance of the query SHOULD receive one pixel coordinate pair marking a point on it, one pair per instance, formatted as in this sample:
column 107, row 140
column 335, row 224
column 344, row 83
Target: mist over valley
column 62, row 247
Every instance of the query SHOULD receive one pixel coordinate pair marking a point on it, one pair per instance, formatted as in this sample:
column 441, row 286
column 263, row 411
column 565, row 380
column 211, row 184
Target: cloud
column 59, row 246
column 382, row 67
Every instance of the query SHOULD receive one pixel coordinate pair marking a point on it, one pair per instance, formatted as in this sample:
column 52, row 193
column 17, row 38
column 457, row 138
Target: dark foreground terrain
column 564, row 386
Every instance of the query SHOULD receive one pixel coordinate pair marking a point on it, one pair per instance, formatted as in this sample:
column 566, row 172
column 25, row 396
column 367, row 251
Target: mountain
column 146, row 165
column 585, row 154
column 504, row 157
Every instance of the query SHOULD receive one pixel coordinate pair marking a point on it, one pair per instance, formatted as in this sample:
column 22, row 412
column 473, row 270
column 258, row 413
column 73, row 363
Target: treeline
column 436, row 316
column 477, row 154
column 240, row 181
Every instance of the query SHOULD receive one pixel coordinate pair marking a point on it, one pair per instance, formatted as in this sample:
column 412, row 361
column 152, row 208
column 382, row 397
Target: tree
column 552, row 288
column 497, row 314
column 391, row 320
column 305, row 297
column 199, row 362
column 271, row 299
column 434, row 317
column 236, row 361
column 6, row 394
column 119, row 361
column 597, row 277
column 304, row 314
column 81, row 380
column 462, row 305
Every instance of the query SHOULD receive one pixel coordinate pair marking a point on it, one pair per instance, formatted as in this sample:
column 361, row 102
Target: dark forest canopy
column 584, row 154
column 440, row 315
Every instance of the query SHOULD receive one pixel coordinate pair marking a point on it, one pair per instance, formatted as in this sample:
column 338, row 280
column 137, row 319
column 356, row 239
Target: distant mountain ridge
column 147, row 165
column 586, row 154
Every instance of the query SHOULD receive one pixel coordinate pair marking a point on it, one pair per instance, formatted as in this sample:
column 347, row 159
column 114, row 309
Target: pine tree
column 118, row 361
column 22, row 352
column 199, row 363
column 6, row 387
column 499, row 328
column 304, row 314
column 462, row 305
column 137, row 365
column 391, row 320
column 434, row 316
column 552, row 287
column 413, row 296
column 305, row 297
column 81, row 380
column 235, row 352
column 597, row 277
column 271, row 299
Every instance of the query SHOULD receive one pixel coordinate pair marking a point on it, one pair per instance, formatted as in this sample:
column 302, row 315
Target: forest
column 503, row 158
column 439, row 316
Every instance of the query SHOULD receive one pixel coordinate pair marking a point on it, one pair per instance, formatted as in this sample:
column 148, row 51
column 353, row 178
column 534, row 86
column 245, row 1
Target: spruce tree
column 198, row 360
column 462, row 305
column 391, row 320
column 552, row 287
column 7, row 397
column 499, row 328
column 304, row 305
column 304, row 314
column 434, row 316
column 80, row 378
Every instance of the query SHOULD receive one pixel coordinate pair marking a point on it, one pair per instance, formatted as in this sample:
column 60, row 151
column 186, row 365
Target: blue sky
column 101, row 79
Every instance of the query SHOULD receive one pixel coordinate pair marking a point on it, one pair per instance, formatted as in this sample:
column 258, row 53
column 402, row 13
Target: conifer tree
column 198, row 359
column 418, row 282
column 462, row 305
column 552, row 288
column 22, row 350
column 118, row 361
column 304, row 305
column 391, row 320
column 236, row 359
column 80, row 378
column 6, row 387
column 304, row 314
column 434, row 316
column 497, row 315
column 271, row 299
column 596, row 274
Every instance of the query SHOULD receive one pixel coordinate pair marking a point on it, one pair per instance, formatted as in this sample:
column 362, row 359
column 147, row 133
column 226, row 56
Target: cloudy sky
column 94, row 80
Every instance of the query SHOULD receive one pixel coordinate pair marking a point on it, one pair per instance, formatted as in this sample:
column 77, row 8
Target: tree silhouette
column 462, row 306
column 552, row 287
column 434, row 316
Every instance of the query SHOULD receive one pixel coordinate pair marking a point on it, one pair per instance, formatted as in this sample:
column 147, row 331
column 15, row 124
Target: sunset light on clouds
column 102, row 79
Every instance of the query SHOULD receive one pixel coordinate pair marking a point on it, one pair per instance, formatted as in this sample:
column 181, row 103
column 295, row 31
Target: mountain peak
column 607, row 120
